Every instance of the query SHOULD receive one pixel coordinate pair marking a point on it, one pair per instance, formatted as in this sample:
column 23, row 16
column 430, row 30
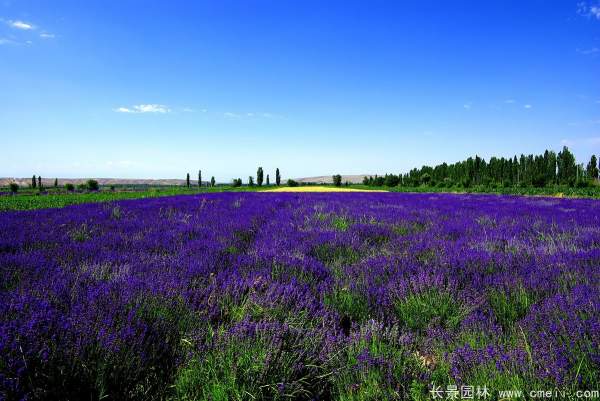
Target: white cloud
column 21, row 25
column 123, row 110
column 231, row 115
column 4, row 41
column 144, row 108
column 528, row 106
column 188, row 110
column 510, row 101
column 588, row 11
column 46, row 35
column 467, row 106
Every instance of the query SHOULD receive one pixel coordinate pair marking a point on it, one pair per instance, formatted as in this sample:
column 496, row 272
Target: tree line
column 237, row 182
column 540, row 170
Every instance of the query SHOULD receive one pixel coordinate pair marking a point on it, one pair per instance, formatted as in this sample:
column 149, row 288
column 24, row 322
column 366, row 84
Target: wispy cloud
column 467, row 106
column 4, row 41
column 510, row 101
column 587, row 52
column 144, row 108
column 588, row 141
column 587, row 10
column 250, row 114
column 584, row 123
column 528, row 106
column 46, row 35
column 25, row 26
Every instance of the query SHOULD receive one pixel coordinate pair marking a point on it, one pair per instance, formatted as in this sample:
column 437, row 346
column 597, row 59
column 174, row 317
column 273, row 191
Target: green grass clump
column 336, row 256
column 271, row 365
column 418, row 310
column 509, row 306
column 348, row 303
column 374, row 367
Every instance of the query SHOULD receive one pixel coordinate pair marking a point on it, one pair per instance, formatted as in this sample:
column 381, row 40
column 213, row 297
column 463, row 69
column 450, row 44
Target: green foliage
column 187, row 180
column 592, row 168
column 92, row 185
column 277, row 177
column 212, row 181
column 529, row 171
column 337, row 180
column 418, row 310
column 340, row 223
column 265, row 367
column 259, row 176
column 291, row 183
column 335, row 256
column 250, row 181
column 348, row 303
column 360, row 377
column 509, row 306
column 69, row 187
column 14, row 187
column 237, row 182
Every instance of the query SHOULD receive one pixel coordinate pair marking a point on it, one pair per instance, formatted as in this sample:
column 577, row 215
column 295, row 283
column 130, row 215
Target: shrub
column 292, row 183
column 14, row 187
column 92, row 185
column 70, row 187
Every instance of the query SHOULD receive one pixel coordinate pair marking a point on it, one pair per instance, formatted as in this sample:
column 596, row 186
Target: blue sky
column 154, row 89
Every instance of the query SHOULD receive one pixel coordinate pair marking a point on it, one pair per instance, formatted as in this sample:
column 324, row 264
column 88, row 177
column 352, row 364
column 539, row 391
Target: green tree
column 259, row 176
column 277, row 177
column 250, row 181
column 268, row 182
column 33, row 182
column 337, row 180
column 592, row 168
column 14, row 187
column 199, row 178
column 56, row 183
column 237, row 182
column 40, row 182
column 212, row 181
column 187, row 180
column 567, row 169
column 92, row 185
column 292, row 183
column 69, row 187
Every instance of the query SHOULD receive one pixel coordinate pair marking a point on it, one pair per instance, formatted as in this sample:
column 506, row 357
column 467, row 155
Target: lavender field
column 284, row 296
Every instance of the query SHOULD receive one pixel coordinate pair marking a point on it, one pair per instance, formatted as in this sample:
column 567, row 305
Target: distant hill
column 24, row 182
column 4, row 181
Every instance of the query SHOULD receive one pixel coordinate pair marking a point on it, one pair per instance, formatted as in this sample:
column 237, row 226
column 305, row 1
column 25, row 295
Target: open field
column 331, row 296
column 57, row 199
